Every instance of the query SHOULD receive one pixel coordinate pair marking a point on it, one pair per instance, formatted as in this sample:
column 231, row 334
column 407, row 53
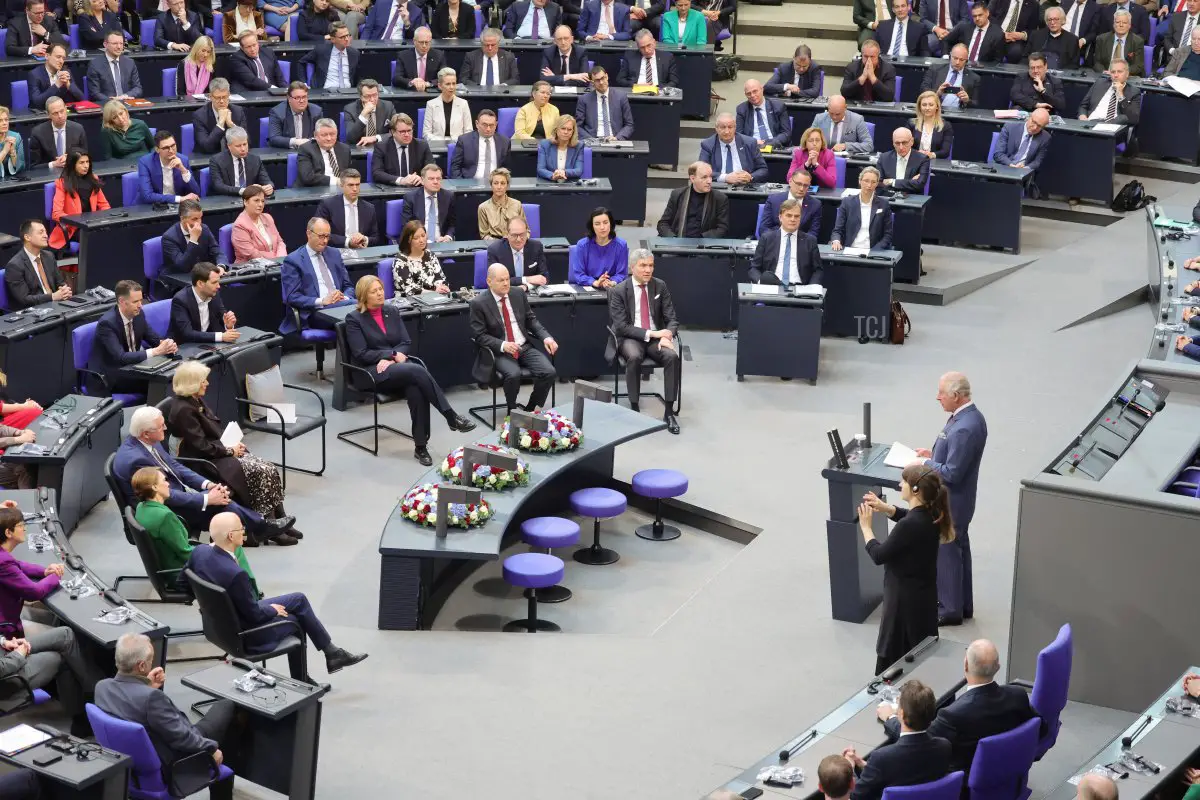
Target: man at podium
column 786, row 254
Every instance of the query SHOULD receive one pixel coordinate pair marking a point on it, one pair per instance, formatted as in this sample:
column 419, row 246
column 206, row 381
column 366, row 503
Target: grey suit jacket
column 170, row 731
column 855, row 134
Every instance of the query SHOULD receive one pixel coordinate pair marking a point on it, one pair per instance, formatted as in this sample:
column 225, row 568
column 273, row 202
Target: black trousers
column 635, row 352
column 540, row 369
column 420, row 389
column 217, row 725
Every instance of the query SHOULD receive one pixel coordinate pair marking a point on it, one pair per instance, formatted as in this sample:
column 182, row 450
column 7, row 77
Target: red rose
column 534, row 435
column 426, row 509
column 420, row 517
column 470, row 508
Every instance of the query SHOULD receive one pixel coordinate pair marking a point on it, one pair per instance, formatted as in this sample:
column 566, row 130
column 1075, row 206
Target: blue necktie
column 762, row 125
column 787, row 261
column 519, row 263
column 489, row 78
column 431, row 216
column 1023, row 150
column 728, row 161
column 897, row 36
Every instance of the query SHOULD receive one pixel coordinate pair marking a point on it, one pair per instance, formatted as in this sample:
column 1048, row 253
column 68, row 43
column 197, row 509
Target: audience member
column 647, row 66
column 799, row 185
column 684, row 26
column 352, row 223
column 477, row 153
column 367, row 118
column 1113, row 99
column 1121, row 43
column 421, row 66
column 642, row 318
column 176, row 29
column 244, row 18
column 315, row 20
column 293, row 123
column 415, row 269
column 123, row 338
column 14, row 474
column 735, row 158
column 537, row 117
column 835, row 777
column 561, row 157
column 323, row 159
column 254, row 233
column 601, row 20
column 94, row 24
column 53, row 79
column 800, row 77
column 333, row 64
column 1025, row 144
column 112, row 75
column 867, row 15
column 903, row 34
column 1015, row 18
column 393, row 20
column 1038, row 88
column 531, row 19
column 940, row 20
column 447, row 116
column 49, row 141
column 1101, row 787
column 211, row 122
column 189, row 243
column 253, row 68
column 489, row 65
column 696, row 210
column 850, row 229
column 1186, row 61
column 845, row 131
column 646, row 14
column 985, row 42
column 195, row 71
column 278, row 16
column 76, row 182
column 785, row 254
column 121, row 135
column 934, row 135
column 431, row 204
column 1179, row 28
column 564, row 63
column 453, row 19
column 954, row 83
column 498, row 210
column 313, row 277
column 235, row 169
column 164, row 175
column 604, row 113
column 198, row 316
column 868, row 78
column 601, row 258
column 763, row 119
column 904, row 170
column 351, row 12
column 917, row 756
column 1083, row 21
column 399, row 158
column 31, row 275
column 814, row 159
column 31, row 34
column 524, row 257
column 1139, row 17
column 1058, row 45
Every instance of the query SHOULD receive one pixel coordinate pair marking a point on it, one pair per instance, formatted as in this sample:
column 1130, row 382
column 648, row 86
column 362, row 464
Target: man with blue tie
column 734, row 158
column 313, row 278
column 1025, row 145
column 604, row 113
column 766, row 121
column 903, row 35
column 334, row 63
column 431, row 204
column 953, row 82
column 524, row 257
column 786, row 255
column 489, row 65
column 955, row 456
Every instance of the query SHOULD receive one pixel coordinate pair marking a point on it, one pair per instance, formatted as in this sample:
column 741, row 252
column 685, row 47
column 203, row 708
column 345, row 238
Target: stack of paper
column 900, row 456
column 551, row 289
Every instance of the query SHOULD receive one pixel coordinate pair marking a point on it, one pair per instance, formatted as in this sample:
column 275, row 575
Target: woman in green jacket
column 684, row 26
column 122, row 136
column 169, row 534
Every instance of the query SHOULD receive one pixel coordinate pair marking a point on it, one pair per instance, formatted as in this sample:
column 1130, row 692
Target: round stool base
column 553, row 594
column 531, row 626
column 658, row 533
column 597, row 556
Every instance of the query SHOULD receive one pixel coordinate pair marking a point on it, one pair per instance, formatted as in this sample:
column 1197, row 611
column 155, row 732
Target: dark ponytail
column 927, row 484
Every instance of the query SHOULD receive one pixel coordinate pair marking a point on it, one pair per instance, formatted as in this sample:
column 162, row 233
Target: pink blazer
column 825, row 174
column 248, row 243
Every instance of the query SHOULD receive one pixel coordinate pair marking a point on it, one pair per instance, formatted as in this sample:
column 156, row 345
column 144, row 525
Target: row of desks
column 1165, row 265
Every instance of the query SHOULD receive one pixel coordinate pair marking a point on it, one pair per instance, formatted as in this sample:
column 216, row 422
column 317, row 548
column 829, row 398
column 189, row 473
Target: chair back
column 204, row 179
column 48, row 202
column 145, row 546
column 20, row 95
column 506, row 124
column 899, row 83
column 571, row 258
column 1148, row 56
column 394, row 215
column 367, row 178
column 341, row 126
column 286, row 68
column 992, row 148
column 217, row 34
column 1050, row 686
column 308, row 71
column 481, row 265
column 131, row 193
column 217, row 615
column 169, row 88
column 479, row 26
column 421, row 123
column 118, row 493
column 871, row 131
column 81, row 343
column 533, row 215
column 383, row 270
column 73, row 36
column 587, row 162
column 225, row 243
column 450, row 146
column 293, row 169
column 147, row 33
column 158, row 316
column 152, row 260
column 146, row 775
column 262, row 132
column 762, row 209
column 187, row 135
column 1001, row 764
column 947, row 788
column 293, row 27
column 3, row 292
column 839, row 168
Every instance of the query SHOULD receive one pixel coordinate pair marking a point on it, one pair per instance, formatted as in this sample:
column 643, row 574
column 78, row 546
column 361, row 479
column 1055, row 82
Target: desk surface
column 67, row 418
column 69, row 770
column 287, row 696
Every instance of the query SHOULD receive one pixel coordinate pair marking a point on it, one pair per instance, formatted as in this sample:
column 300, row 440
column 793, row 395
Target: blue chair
column 147, row 33
column 131, row 193
column 204, row 182
column 293, row 27
column 420, row 132
column 20, row 95
column 1051, row 683
column 393, row 214
column 81, row 342
column 479, row 26
column 293, row 169
column 899, row 82
column 370, row 164
column 1148, row 55
column 450, row 155
column 341, row 126
column 839, row 167
column 187, row 133
column 762, row 207
column 225, row 243
column 286, row 68
column 158, row 313
column 73, row 36
column 168, row 87
column 507, row 121
column 533, row 215
column 481, row 265
column 587, row 162
column 992, row 148
column 947, row 788
column 308, row 71
column 4, row 297
column 383, row 271
column 217, row 33
column 1000, row 769
column 152, row 261
column 262, row 132
column 871, row 130
column 821, row 82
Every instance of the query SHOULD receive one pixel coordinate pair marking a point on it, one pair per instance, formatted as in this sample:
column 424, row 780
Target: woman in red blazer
column 812, row 154
column 77, row 180
column 254, row 232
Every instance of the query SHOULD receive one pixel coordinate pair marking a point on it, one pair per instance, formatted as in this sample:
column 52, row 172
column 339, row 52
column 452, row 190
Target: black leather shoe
column 251, row 541
column 949, row 622
column 421, row 454
column 635, row 407
column 340, row 659
column 284, row 540
column 460, row 423
column 295, row 534
column 281, row 524
column 672, row 423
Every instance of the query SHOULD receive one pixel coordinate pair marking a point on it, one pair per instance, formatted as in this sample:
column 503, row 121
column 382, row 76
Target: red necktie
column 973, row 57
column 508, row 328
column 645, row 315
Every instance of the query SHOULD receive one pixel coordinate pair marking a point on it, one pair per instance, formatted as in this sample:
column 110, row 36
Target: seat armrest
column 320, row 399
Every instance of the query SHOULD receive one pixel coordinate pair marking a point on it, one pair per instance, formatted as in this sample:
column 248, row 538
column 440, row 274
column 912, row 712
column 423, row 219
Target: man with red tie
column 984, row 41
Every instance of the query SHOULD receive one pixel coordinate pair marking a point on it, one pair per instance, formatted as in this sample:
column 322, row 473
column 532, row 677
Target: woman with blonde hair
column 932, row 135
column 196, row 69
column 12, row 149
column 815, row 156
column 560, row 156
column 121, row 135
column 495, row 212
column 538, row 116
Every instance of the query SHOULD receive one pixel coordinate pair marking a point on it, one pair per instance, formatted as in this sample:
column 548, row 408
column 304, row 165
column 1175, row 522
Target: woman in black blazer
column 378, row 342
column 909, row 558
column 868, row 211
column 315, row 20
column 461, row 27
column 95, row 23
column 932, row 135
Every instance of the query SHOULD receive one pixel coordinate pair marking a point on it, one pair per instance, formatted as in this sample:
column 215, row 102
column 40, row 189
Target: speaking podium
column 855, row 582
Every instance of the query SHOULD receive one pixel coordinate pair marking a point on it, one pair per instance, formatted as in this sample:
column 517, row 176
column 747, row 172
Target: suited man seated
column 904, row 169
column 1083, row 21
column 735, row 159
column 1038, row 88
column 869, row 78
column 351, row 221
column 432, row 205
column 489, row 65
column 417, row 67
column 846, row 131
column 1016, row 18
column 1059, row 45
column 696, row 211
column 31, row 33
column 112, row 75
column 864, row 221
column 1184, row 63
column 956, row 85
column 1139, row 18
column 253, row 68
column 1121, row 42
column 835, row 777
column 190, row 242
column 393, row 21
column 564, row 63
column 211, row 122
column 1185, row 19
column 918, row 754
column 604, row 19
column 197, row 314
column 1113, row 99
column 368, row 117
column 524, row 257
column 903, row 34
column 399, row 157
column 1025, row 144
column 53, row 79
column 503, row 323
column 983, row 39
column 235, row 168
column 764, row 120
column 292, row 123
column 983, row 708
column 800, row 77
column 164, row 175
column 31, row 275
column 531, row 19
column 605, row 112
column 178, row 28
column 647, row 66
column 322, row 161
column 482, row 150
column 334, row 62
column 136, row 695
column 313, row 277
column 642, row 317
column 217, row 564
column 785, row 254
column 798, row 189
column 122, row 339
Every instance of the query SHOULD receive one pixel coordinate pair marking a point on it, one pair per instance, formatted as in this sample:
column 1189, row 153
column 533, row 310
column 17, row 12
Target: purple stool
column 533, row 571
column 550, row 532
column 659, row 483
column 598, row 504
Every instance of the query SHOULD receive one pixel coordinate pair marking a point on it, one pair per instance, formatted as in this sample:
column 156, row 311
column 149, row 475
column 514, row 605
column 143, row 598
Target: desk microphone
column 1127, row 742
column 788, row 752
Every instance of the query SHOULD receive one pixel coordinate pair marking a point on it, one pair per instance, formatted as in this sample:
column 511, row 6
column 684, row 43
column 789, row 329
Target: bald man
column 845, row 131
column 1096, row 787
column 763, row 119
column 904, row 169
column 868, row 78
column 504, row 329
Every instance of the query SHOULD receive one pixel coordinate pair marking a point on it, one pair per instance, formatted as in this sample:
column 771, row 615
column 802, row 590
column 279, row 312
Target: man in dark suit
column 112, row 75
column 939, row 18
column 417, row 67
column 524, row 257
column 1058, row 45
column 1016, row 19
column 903, row 34
column 601, row 20
column 313, row 277
column 798, row 189
column 696, row 210
column 1113, row 99
column 734, row 158
column 531, row 19
column 399, row 157
column 917, row 756
column 253, row 68
column 1121, row 42
column 123, row 338
column 178, row 28
column 218, row 565
column 479, row 152
column 210, row 123
column 489, row 65
column 564, row 63
column 31, row 275
column 351, row 222
column 503, row 323
column 904, row 169
column 800, row 77
column 52, row 79
column 31, row 33
column 983, row 40
column 642, row 317
column 983, row 708
column 1025, row 144
column 1181, row 22
column 1139, row 18
column 322, row 161
column 1083, row 22
column 235, row 168
column 605, row 112
column 647, row 65
column 1038, row 88
column 785, row 254
column 136, row 695
column 368, row 117
column 292, row 123
column 869, row 78
column 50, row 141
column 334, row 63
column 765, row 121
column 190, row 242
column 646, row 14
column 393, row 21
column 197, row 313
column 432, row 205
column 956, row 85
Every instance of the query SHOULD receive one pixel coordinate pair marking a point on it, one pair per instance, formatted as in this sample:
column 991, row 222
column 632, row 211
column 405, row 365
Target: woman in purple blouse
column 601, row 258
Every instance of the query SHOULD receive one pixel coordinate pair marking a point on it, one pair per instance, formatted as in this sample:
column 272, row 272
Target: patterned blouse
column 413, row 276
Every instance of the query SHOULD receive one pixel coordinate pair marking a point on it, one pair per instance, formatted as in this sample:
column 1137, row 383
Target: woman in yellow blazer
column 694, row 31
column 537, row 116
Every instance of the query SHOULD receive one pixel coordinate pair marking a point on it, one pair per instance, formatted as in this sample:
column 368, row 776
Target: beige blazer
column 435, row 120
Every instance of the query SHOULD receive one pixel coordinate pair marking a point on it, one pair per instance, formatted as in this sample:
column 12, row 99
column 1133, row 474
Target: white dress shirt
column 792, row 273
column 525, row 31
column 487, row 155
column 264, row 232
column 642, row 71
column 898, row 31
column 202, row 304
column 1013, row 7
column 33, row 260
column 607, row 9
column 863, row 239
column 735, row 161
column 766, row 118
column 901, row 167
column 1074, row 17
column 518, row 337
column 168, row 180
column 483, row 66
column 351, row 212
column 1101, row 109
column 337, row 76
column 328, row 159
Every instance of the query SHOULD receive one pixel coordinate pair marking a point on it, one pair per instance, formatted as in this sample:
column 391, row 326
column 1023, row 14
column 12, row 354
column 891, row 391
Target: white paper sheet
column 900, row 455
column 809, row 290
column 20, row 737
column 556, row 288
column 856, row 251
column 1185, row 86
column 1107, row 127
column 764, row 288
column 232, row 435
column 288, row 410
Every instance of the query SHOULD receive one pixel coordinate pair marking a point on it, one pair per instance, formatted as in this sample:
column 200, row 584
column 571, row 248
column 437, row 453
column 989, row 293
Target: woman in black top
column 909, row 558
column 453, row 20
column 315, row 20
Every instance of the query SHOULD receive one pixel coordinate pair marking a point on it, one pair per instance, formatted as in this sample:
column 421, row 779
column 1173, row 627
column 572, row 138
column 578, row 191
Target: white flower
column 544, row 443
column 454, row 520
column 432, row 518
column 413, row 514
column 456, row 471
column 474, row 516
column 526, row 441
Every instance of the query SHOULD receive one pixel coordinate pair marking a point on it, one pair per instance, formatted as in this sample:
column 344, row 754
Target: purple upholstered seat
column 598, row 503
column 1050, row 685
column 658, row 483
column 533, row 570
column 550, row 532
column 947, row 788
column 1000, row 769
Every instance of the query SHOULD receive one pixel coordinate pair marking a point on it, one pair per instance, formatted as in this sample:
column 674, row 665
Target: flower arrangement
column 420, row 506
column 486, row 477
column 562, row 435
